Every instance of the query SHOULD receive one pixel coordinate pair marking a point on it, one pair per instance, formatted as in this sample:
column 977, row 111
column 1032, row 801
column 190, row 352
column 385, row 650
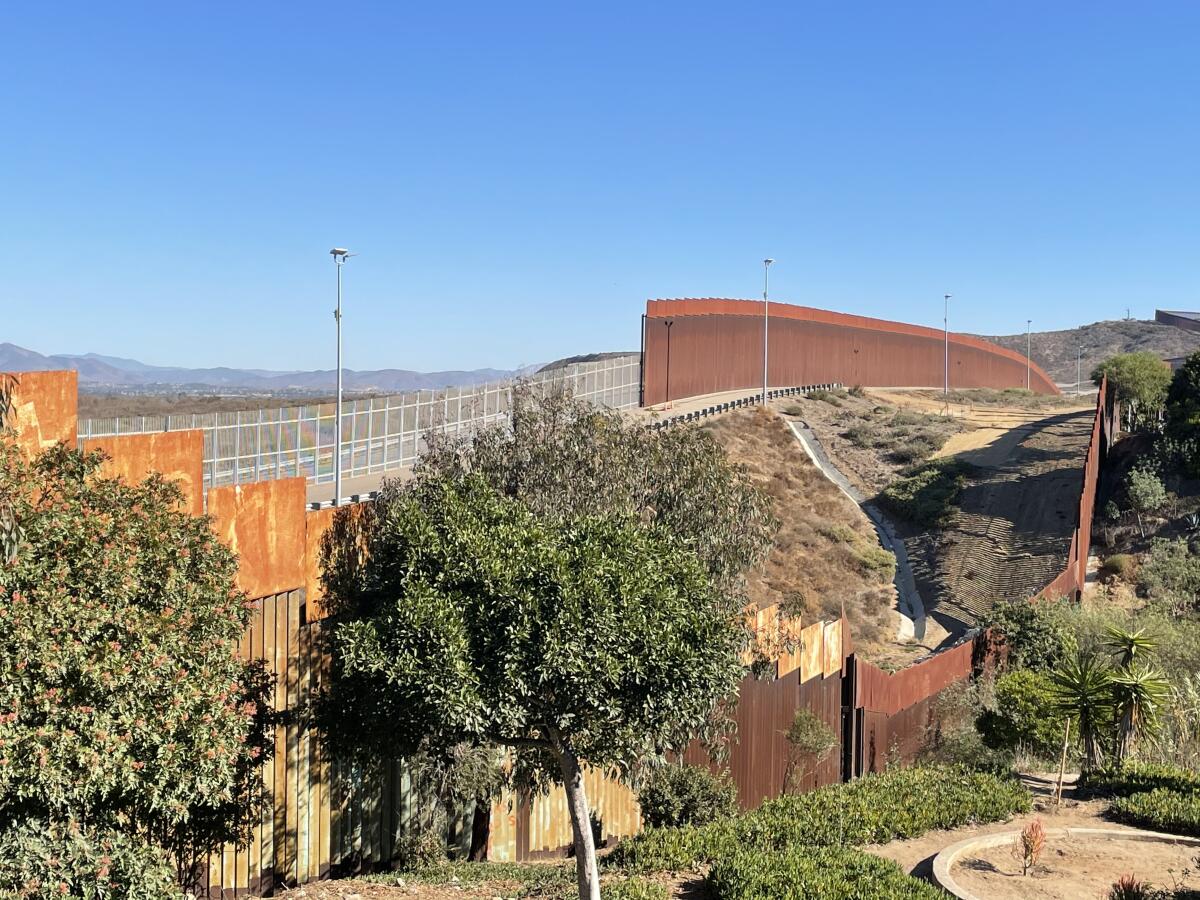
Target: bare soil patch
column 915, row 856
column 1012, row 529
column 826, row 553
column 1074, row 866
column 398, row 887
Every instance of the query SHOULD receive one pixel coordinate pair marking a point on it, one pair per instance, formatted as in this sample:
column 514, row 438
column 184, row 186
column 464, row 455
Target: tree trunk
column 1126, row 731
column 481, row 828
column 581, row 825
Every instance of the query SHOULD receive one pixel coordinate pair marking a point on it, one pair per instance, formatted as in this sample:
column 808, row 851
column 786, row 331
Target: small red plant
column 1029, row 845
column 1129, row 888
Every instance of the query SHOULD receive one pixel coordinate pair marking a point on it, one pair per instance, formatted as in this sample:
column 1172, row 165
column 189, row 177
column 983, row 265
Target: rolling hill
column 1056, row 351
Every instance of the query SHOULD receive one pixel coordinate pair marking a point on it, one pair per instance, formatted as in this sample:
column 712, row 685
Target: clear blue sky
column 519, row 178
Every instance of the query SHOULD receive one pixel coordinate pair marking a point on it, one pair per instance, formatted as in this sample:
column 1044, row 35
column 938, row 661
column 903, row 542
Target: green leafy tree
column 1146, row 494
column 130, row 733
column 1183, row 411
column 1139, row 382
column 595, row 642
column 1023, row 714
column 1036, row 635
column 566, row 459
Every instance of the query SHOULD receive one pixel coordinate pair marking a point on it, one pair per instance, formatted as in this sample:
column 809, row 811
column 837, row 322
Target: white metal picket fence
column 378, row 433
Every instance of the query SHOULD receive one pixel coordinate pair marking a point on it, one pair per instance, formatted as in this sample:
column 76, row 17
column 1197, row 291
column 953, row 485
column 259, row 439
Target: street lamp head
column 947, row 296
column 767, row 262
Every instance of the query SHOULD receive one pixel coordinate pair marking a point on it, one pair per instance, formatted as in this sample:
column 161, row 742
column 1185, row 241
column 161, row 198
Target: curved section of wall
column 717, row 345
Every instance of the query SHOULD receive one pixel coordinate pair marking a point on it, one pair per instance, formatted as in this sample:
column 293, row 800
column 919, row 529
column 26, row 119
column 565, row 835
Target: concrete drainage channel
column 911, row 606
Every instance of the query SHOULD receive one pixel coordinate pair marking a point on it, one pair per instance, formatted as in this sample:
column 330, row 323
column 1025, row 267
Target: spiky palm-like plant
column 1132, row 645
column 1137, row 693
column 1082, row 688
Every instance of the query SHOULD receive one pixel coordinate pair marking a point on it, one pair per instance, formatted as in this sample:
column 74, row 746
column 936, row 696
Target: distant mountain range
column 113, row 372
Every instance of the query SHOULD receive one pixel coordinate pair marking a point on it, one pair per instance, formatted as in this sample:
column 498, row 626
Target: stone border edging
column 945, row 860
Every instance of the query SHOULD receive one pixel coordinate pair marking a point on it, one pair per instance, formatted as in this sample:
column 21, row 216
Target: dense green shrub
column 634, row 889
column 1023, row 715
column 40, row 860
column 810, row 741
column 1170, row 576
column 1137, row 778
column 813, row 873
column 821, row 394
column 926, row 494
column 1119, row 565
column 686, row 795
column 900, row 803
column 423, row 844
column 1160, row 810
column 875, row 562
column 913, row 449
column 1037, row 635
column 126, row 715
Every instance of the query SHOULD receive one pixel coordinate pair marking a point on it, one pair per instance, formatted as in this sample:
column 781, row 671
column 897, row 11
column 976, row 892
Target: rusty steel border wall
column 326, row 818
column 715, row 345
column 1188, row 321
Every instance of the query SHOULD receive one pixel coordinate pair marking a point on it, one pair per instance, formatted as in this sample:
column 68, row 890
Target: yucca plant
column 1132, row 644
column 1082, row 689
column 1137, row 693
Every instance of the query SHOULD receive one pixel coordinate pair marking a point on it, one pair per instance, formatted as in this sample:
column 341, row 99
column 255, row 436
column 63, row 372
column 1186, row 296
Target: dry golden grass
column 826, row 553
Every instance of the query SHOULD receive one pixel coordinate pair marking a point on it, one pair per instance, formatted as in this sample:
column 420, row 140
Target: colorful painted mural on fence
column 326, row 816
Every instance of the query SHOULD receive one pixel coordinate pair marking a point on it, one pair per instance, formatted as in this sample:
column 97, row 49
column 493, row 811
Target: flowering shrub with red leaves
column 125, row 715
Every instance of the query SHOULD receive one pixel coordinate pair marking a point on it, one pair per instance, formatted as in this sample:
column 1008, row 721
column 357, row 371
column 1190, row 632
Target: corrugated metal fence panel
column 722, row 351
column 891, row 692
column 320, row 814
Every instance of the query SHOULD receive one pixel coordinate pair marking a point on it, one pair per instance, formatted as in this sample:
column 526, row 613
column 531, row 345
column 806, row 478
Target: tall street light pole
column 1028, row 355
column 340, row 255
column 946, row 326
column 766, row 325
